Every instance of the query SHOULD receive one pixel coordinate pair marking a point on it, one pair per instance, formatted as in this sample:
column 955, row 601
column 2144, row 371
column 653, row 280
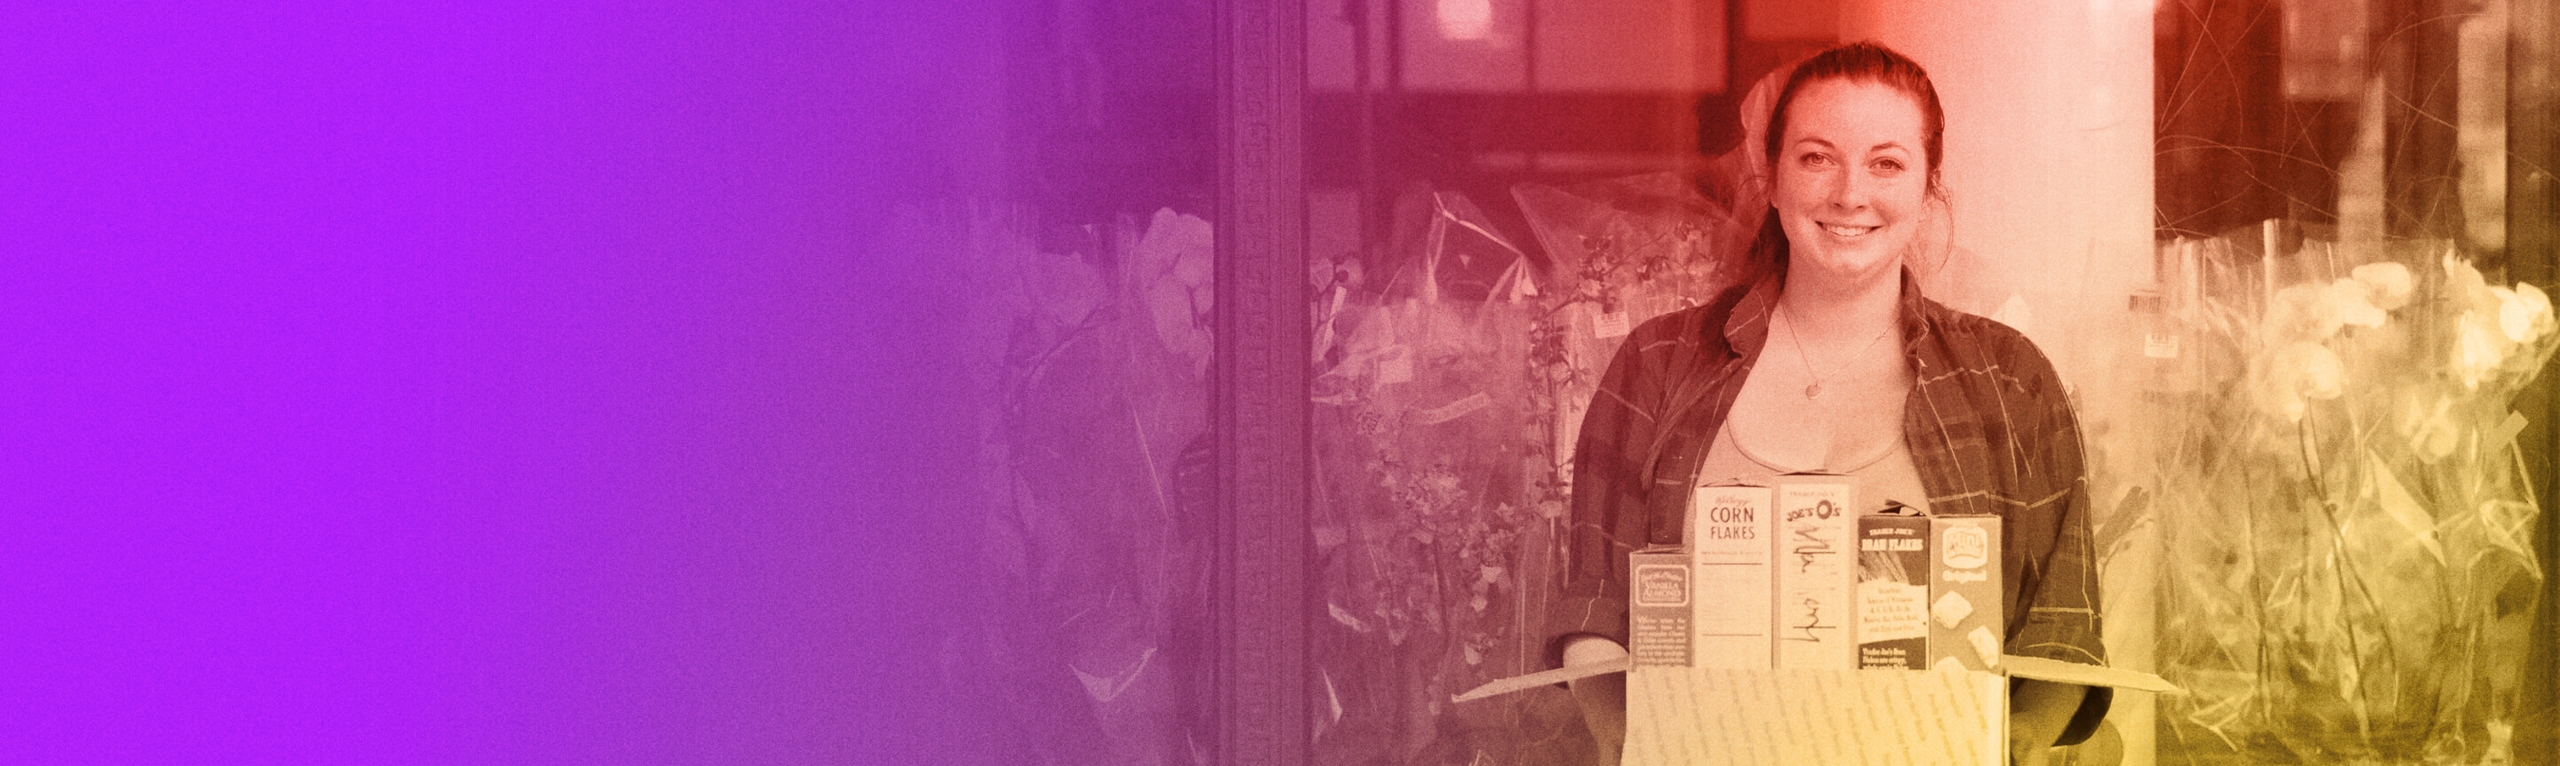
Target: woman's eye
column 1888, row 166
column 1817, row 159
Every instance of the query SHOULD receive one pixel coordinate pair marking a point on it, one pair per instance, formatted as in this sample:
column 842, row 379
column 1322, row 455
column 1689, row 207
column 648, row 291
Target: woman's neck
column 1828, row 311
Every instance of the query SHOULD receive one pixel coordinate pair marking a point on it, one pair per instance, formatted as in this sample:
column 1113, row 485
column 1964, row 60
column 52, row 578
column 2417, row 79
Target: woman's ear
column 1938, row 229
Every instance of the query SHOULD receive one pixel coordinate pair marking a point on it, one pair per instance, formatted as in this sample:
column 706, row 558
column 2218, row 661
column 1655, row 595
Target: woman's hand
column 1603, row 698
column 2037, row 712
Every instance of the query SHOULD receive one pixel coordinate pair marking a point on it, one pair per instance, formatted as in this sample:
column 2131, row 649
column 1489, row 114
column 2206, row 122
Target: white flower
column 2355, row 304
column 2524, row 312
column 1175, row 262
column 2280, row 400
column 2323, row 377
column 2299, row 373
column 2386, row 285
column 2464, row 285
column 2304, row 312
column 2478, row 348
column 2311, row 371
column 2515, row 319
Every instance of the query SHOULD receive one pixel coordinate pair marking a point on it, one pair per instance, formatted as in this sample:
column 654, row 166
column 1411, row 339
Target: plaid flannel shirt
column 1989, row 425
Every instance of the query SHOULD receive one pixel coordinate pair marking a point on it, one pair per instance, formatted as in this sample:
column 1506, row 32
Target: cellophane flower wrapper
column 2348, row 573
column 1097, row 485
column 1443, row 430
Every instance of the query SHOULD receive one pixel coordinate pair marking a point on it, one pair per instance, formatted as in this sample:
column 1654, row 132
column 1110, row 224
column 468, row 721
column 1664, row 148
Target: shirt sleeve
column 2058, row 584
column 1606, row 517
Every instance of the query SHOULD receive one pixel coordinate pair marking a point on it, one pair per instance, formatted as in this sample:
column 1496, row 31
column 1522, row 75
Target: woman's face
column 1851, row 178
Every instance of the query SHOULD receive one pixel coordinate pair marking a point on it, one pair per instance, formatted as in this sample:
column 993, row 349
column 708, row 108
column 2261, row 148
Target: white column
column 2049, row 162
column 2048, row 146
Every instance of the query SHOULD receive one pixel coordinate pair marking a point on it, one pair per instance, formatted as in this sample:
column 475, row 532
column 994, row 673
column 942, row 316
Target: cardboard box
column 1731, row 532
column 1893, row 589
column 1660, row 598
column 1720, row 717
column 1716, row 717
column 1816, row 571
column 1967, row 615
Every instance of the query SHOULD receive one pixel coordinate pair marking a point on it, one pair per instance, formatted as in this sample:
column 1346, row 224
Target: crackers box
column 1967, row 614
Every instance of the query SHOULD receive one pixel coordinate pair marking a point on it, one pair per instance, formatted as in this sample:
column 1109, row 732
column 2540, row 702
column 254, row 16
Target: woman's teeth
column 1847, row 231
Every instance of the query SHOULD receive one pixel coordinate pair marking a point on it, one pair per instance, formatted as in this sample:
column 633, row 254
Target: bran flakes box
column 1967, row 615
column 1893, row 589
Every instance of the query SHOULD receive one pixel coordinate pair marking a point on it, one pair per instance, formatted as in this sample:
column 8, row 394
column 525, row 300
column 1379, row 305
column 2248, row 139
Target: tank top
column 1886, row 474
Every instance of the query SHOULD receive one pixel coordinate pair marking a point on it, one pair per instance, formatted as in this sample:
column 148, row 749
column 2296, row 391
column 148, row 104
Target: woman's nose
column 1848, row 190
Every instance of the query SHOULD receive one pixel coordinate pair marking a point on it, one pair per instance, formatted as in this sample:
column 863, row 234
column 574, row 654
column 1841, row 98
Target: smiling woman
column 1851, row 184
column 1420, row 550
column 1964, row 415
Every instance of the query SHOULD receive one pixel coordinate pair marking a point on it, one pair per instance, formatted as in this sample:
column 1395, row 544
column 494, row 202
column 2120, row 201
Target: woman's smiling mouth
column 1848, row 232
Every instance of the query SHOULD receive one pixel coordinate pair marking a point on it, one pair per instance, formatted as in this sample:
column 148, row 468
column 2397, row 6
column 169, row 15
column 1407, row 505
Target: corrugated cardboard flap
column 2037, row 668
column 2042, row 669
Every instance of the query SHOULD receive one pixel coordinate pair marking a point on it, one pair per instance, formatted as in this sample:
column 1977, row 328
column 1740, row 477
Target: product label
column 1662, row 586
column 1893, row 591
column 1658, row 608
column 2160, row 345
column 1816, row 571
column 1966, row 614
column 1730, row 530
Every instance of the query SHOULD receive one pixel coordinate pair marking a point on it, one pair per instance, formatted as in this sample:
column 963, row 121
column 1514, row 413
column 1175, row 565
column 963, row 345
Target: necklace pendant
column 1813, row 390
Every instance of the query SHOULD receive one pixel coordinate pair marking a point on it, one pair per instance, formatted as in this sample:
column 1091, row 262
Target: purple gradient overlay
column 477, row 383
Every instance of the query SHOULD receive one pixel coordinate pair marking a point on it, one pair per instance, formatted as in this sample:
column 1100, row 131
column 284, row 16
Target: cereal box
column 1893, row 589
column 1731, row 531
column 1816, row 571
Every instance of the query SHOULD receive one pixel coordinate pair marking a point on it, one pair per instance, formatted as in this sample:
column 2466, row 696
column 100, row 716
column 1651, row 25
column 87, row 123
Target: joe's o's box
column 1816, row 571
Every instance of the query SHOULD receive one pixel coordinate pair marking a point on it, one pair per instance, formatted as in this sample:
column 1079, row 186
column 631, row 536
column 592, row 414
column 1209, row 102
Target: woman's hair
column 1857, row 62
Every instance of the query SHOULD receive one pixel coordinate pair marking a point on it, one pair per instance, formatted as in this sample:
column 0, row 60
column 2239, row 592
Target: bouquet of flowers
column 1446, row 407
column 1088, row 353
column 2348, row 572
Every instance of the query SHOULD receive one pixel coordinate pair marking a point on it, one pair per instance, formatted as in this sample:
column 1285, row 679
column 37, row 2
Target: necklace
column 1815, row 389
